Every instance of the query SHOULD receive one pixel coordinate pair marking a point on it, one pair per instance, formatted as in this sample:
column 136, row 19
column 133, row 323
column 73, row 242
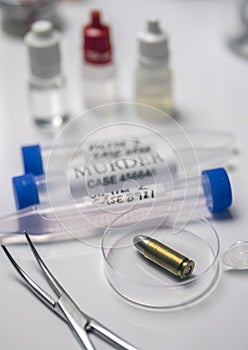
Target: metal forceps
column 80, row 323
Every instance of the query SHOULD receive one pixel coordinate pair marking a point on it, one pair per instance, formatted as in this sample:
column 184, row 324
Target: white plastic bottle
column 99, row 75
column 47, row 86
column 153, row 75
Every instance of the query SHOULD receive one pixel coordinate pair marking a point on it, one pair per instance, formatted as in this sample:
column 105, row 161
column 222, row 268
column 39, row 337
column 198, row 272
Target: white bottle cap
column 43, row 48
column 153, row 43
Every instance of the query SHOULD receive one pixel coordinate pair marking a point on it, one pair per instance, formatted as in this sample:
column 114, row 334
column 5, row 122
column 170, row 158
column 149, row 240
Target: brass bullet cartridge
column 172, row 261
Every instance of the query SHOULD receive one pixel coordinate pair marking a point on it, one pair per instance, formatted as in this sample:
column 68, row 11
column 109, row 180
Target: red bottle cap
column 97, row 46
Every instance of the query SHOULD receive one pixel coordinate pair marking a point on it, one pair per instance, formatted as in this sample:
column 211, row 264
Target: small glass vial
column 153, row 85
column 47, row 84
column 99, row 75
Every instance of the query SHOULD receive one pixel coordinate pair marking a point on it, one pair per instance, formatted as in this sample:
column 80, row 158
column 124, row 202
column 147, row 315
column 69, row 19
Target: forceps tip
column 5, row 248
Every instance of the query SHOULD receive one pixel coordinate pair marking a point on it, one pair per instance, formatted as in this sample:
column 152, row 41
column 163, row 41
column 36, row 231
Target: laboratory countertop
column 210, row 88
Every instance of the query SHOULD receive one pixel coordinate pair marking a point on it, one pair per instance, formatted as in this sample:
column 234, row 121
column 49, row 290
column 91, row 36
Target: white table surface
column 211, row 85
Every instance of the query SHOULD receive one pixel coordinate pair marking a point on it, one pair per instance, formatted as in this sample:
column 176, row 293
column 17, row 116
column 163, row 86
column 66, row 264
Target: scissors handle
column 108, row 335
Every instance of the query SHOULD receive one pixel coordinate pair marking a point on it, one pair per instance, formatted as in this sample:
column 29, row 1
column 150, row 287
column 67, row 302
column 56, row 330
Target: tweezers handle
column 108, row 335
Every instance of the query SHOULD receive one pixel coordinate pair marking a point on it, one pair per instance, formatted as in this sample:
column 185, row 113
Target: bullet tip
column 140, row 243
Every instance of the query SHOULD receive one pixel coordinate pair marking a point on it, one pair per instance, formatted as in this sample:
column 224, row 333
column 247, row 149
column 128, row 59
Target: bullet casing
column 165, row 257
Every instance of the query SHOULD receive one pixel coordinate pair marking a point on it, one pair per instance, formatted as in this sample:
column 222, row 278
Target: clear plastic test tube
column 213, row 149
column 210, row 193
column 93, row 169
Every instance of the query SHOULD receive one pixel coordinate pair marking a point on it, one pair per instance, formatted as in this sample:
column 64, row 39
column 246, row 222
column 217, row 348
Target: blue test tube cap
column 25, row 191
column 32, row 160
column 217, row 189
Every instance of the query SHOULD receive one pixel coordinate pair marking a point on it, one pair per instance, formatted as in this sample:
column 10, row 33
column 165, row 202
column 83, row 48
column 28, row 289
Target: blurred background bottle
column 153, row 76
column 236, row 23
column 47, row 86
column 99, row 75
column 18, row 15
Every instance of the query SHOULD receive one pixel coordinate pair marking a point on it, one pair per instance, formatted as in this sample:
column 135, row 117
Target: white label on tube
column 97, row 177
